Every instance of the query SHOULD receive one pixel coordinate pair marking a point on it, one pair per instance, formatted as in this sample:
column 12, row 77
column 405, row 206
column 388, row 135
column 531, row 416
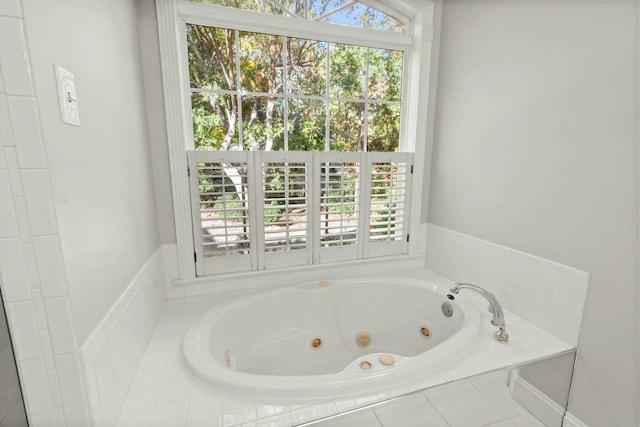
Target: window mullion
column 327, row 118
column 238, row 89
column 366, row 101
column 285, row 70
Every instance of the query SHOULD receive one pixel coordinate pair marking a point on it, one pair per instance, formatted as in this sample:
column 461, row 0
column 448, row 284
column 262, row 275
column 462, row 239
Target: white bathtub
column 300, row 342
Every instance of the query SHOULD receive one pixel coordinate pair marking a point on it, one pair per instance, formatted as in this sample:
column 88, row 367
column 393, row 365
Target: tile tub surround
column 549, row 294
column 163, row 393
column 112, row 353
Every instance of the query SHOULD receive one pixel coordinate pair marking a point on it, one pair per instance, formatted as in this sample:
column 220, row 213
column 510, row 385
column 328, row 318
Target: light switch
column 68, row 97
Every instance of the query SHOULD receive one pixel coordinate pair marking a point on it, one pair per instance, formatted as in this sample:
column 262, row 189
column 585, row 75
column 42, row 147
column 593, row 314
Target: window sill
column 266, row 279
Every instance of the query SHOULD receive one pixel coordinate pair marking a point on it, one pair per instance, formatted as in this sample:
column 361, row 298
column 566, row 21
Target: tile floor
column 163, row 394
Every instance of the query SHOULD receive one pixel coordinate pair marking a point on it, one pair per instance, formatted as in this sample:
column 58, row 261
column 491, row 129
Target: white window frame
column 416, row 42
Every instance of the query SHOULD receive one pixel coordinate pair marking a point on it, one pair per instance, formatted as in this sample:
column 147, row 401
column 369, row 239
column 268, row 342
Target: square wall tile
column 13, row 271
column 93, row 392
column 14, row 59
column 47, row 419
column 8, row 219
column 6, row 133
column 78, row 416
column 32, row 265
column 38, row 305
column 23, row 221
column 26, row 132
column 40, row 208
column 3, row 161
column 47, row 352
column 63, row 337
column 24, row 330
column 10, row 8
column 35, row 386
column 54, row 387
column 14, row 171
column 50, row 266
column 60, row 418
column 71, row 379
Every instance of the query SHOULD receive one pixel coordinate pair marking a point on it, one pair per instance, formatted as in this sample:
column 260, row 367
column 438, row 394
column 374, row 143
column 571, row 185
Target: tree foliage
column 256, row 91
column 271, row 85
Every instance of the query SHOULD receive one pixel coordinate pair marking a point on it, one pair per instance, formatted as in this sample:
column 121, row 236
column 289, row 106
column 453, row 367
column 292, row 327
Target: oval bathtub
column 321, row 340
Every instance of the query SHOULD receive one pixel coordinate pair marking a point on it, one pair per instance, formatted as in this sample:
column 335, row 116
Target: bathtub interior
column 312, row 329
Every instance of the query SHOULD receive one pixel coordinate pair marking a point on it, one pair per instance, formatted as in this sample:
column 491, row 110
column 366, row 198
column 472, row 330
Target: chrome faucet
column 494, row 306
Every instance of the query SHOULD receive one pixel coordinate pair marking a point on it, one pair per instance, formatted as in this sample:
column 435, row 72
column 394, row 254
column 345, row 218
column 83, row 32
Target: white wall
column 150, row 59
column 536, row 148
column 101, row 171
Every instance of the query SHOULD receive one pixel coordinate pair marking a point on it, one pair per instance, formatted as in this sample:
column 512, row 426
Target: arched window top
column 370, row 14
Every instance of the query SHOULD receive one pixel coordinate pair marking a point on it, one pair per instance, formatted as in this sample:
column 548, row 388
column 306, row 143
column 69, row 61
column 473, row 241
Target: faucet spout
column 498, row 313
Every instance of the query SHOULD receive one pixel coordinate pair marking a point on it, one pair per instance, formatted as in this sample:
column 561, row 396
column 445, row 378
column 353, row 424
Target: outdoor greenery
column 276, row 84
column 256, row 91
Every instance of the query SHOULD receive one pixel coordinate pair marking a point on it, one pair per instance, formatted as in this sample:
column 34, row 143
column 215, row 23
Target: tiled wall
column 549, row 294
column 112, row 353
column 32, row 273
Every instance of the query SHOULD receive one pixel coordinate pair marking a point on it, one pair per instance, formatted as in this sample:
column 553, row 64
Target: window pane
column 285, row 206
column 307, row 65
column 307, row 125
column 261, row 62
column 339, row 200
column 359, row 15
column 215, row 121
column 318, row 8
column 385, row 74
column 263, row 123
column 296, row 7
column 383, row 133
column 211, row 52
column 347, row 126
column 348, row 71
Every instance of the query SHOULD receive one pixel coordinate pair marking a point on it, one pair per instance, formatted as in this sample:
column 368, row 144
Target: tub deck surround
column 165, row 393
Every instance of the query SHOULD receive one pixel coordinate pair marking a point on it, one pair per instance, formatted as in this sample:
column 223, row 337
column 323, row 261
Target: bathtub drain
column 316, row 343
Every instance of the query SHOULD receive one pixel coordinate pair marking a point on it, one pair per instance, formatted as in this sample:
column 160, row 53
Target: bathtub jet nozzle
column 498, row 314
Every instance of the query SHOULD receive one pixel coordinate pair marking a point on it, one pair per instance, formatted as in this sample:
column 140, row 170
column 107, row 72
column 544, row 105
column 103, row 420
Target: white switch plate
column 68, row 97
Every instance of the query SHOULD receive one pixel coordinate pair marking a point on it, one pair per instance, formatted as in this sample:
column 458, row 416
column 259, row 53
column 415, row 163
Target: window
column 255, row 91
column 293, row 129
